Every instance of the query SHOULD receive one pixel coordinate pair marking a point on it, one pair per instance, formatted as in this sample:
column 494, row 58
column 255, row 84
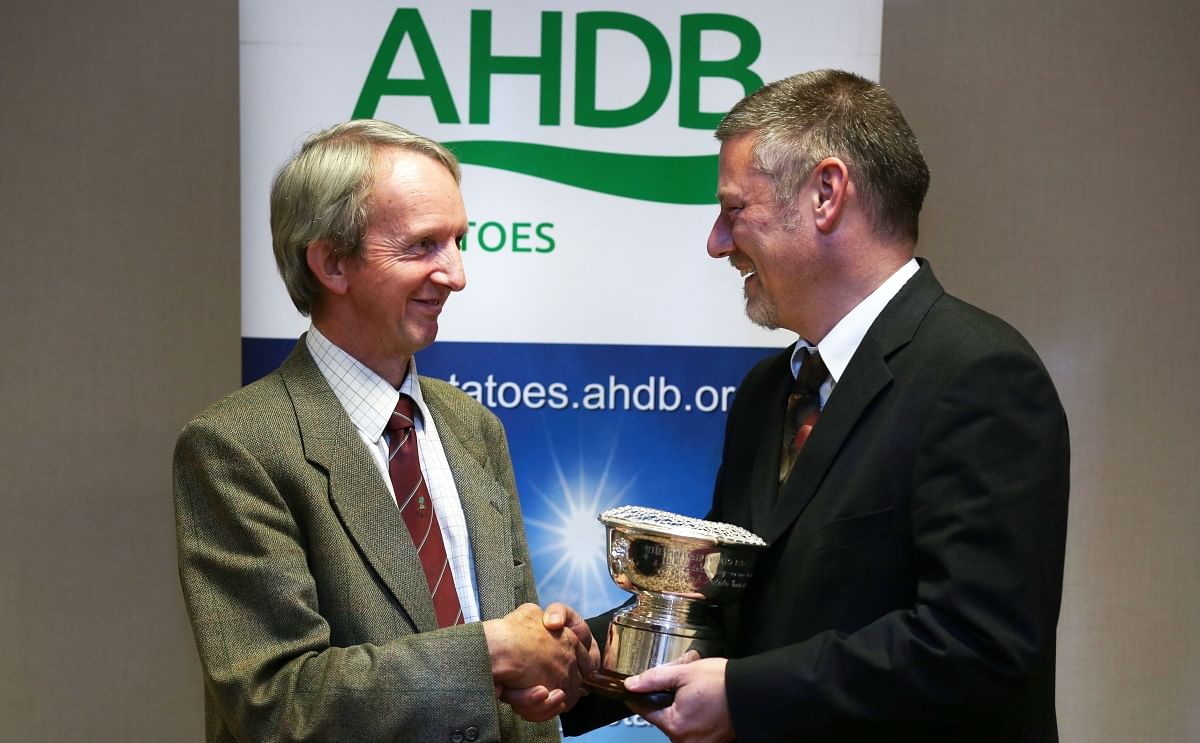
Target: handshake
column 539, row 658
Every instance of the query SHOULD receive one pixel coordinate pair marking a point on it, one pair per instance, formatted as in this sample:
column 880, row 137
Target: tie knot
column 812, row 373
column 402, row 417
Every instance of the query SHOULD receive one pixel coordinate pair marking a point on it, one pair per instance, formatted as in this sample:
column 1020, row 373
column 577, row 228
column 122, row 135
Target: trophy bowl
column 681, row 570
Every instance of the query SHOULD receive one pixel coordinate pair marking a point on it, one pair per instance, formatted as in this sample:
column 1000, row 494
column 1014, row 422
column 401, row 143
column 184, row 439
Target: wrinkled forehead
column 414, row 192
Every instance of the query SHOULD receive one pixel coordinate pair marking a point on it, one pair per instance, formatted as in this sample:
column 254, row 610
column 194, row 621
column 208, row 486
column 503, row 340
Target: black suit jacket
column 912, row 584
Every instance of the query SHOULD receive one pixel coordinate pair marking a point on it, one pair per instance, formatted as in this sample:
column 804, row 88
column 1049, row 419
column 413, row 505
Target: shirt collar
column 367, row 397
column 840, row 343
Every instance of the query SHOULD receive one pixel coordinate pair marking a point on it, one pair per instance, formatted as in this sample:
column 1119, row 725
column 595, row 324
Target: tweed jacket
column 310, row 609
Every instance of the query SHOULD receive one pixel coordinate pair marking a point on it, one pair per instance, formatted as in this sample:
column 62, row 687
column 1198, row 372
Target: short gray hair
column 321, row 193
column 801, row 120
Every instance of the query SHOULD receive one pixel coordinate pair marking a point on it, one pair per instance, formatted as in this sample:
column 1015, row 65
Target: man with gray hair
column 906, row 460
column 350, row 540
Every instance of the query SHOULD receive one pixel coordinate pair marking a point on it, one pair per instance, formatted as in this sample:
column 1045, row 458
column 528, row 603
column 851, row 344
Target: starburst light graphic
column 568, row 542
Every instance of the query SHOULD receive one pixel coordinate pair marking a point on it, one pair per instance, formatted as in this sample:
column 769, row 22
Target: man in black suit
column 912, row 584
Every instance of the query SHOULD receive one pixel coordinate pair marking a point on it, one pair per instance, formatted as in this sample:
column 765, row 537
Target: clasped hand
column 538, row 658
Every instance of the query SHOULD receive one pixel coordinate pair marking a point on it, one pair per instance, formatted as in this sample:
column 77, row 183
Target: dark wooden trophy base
column 612, row 684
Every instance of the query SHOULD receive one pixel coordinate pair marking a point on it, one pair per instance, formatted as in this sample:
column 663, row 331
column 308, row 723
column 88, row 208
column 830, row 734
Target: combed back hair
column 801, row 120
column 321, row 193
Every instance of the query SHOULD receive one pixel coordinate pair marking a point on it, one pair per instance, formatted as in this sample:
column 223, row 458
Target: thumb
column 654, row 679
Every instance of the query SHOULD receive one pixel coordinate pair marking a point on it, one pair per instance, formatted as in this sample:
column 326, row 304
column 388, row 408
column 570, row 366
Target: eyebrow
column 726, row 194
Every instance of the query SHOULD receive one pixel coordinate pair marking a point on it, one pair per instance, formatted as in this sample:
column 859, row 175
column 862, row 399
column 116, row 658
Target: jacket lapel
column 764, row 475
column 484, row 500
column 357, row 492
column 865, row 378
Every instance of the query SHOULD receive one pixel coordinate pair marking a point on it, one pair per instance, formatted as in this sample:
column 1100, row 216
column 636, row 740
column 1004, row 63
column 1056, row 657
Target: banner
column 593, row 323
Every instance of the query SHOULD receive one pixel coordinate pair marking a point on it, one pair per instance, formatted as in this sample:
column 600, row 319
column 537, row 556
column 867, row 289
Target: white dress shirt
column 369, row 401
column 840, row 343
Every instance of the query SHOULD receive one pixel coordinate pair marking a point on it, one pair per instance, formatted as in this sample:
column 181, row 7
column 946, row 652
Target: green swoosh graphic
column 684, row 179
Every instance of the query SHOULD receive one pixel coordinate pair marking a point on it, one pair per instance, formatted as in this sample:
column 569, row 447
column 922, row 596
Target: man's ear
column 831, row 183
column 328, row 266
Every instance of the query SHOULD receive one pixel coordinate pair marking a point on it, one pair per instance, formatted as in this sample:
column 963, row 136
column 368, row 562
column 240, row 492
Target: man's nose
column 720, row 241
column 450, row 271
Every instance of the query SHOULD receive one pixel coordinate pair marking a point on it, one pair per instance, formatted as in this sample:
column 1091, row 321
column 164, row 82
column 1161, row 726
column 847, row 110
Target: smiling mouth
column 432, row 304
column 746, row 271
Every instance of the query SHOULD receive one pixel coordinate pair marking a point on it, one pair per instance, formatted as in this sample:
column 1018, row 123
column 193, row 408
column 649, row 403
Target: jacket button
column 472, row 733
column 456, row 736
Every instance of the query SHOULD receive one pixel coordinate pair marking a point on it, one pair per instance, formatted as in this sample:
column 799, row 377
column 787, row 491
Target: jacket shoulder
column 254, row 413
column 962, row 329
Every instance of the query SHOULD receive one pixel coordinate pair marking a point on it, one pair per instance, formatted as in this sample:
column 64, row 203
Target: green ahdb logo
column 668, row 179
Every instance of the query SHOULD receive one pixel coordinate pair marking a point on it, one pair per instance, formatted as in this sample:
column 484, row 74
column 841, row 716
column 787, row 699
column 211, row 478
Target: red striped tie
column 412, row 494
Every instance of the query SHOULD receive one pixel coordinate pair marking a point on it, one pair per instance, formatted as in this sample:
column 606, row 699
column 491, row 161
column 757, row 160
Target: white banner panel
column 593, row 323
column 547, row 261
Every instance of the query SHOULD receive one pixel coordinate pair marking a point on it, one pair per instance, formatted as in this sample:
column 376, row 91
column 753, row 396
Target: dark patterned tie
column 803, row 407
column 412, row 495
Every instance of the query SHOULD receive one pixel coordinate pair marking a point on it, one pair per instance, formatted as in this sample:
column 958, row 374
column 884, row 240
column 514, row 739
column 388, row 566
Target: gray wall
column 1061, row 140
column 119, row 195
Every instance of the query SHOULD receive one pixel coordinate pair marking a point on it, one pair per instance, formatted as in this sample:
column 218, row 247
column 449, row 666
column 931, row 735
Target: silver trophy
column 681, row 570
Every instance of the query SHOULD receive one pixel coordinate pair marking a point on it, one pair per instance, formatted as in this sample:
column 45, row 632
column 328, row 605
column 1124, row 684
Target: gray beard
column 762, row 312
